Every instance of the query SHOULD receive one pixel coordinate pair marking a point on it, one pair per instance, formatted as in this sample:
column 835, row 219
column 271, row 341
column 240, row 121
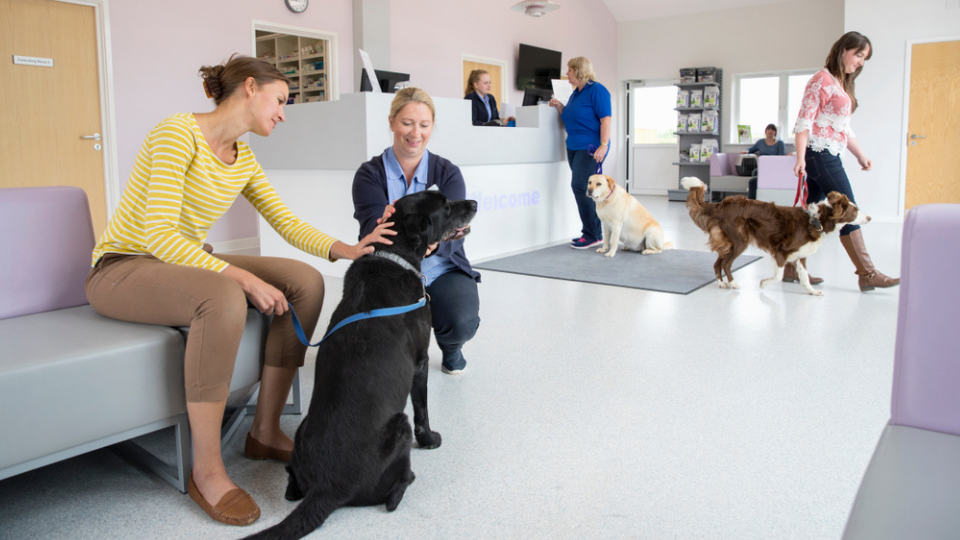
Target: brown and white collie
column 787, row 233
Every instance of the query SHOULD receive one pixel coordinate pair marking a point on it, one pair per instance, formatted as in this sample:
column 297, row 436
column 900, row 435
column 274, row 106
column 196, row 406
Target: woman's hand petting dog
column 339, row 250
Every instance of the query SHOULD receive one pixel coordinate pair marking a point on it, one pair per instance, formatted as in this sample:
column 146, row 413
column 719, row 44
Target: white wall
column 880, row 90
column 781, row 36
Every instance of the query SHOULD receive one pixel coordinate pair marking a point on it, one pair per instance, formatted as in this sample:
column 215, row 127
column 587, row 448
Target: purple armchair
column 912, row 486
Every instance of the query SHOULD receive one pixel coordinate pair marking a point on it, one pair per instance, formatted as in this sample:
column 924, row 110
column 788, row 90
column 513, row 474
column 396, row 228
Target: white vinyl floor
column 587, row 411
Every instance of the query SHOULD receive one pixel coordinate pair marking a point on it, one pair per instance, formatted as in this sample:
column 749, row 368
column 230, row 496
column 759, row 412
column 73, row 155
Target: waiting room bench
column 73, row 381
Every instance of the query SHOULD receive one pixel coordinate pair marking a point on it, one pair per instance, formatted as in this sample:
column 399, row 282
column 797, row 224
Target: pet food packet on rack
column 684, row 155
column 683, row 99
column 696, row 98
column 710, row 96
column 709, row 123
column 681, row 123
column 693, row 122
column 694, row 153
column 709, row 147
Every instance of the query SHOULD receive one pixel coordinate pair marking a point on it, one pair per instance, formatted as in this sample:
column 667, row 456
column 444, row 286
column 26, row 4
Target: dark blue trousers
column 825, row 174
column 455, row 308
column 582, row 165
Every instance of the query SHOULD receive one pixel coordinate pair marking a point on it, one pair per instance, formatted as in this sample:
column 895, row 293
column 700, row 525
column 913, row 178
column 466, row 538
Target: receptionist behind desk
column 484, row 104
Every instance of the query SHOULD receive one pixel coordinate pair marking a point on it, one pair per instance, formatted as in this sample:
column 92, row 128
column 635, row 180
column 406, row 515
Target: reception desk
column 518, row 176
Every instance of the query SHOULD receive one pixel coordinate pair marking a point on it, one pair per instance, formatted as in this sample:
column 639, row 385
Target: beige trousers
column 144, row 289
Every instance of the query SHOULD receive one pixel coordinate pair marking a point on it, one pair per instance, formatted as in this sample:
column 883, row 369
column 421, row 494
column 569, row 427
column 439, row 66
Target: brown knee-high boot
column 870, row 277
column 790, row 273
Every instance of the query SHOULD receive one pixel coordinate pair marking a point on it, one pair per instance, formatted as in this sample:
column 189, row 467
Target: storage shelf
column 700, row 169
column 289, row 52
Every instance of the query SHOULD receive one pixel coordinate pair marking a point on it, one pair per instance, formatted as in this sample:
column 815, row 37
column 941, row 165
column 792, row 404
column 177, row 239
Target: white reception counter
column 518, row 176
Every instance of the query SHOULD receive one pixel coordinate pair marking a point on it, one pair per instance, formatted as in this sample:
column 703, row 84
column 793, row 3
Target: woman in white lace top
column 823, row 131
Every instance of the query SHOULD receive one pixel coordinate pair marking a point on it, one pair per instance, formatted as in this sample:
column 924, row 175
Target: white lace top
column 825, row 113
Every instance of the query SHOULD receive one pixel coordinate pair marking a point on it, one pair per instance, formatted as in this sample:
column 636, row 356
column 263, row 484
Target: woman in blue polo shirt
column 588, row 120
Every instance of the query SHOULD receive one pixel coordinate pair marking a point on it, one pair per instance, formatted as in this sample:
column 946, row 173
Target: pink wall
column 429, row 38
column 159, row 46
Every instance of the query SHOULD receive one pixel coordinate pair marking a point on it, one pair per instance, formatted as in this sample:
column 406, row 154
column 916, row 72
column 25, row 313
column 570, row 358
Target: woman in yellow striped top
column 150, row 267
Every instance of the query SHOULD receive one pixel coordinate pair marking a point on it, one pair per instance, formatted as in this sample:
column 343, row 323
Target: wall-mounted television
column 536, row 67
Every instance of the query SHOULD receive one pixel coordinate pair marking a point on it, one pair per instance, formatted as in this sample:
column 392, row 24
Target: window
column 768, row 98
column 654, row 115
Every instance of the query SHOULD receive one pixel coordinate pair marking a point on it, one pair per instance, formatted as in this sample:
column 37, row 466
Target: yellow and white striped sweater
column 178, row 189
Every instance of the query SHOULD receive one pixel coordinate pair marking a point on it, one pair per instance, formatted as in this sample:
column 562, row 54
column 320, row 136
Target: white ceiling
column 633, row 10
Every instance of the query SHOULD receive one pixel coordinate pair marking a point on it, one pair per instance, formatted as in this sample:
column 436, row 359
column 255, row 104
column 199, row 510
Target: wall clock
column 297, row 6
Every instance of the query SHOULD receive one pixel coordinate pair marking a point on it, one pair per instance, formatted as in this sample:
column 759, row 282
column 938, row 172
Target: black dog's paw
column 428, row 440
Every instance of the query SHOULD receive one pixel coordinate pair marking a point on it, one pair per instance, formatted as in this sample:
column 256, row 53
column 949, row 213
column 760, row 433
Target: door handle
column 95, row 136
column 915, row 136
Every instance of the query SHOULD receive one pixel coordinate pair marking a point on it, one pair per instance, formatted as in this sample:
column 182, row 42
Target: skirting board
column 239, row 246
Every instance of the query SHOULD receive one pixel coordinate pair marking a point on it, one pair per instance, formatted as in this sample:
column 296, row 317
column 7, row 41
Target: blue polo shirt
column 431, row 267
column 582, row 113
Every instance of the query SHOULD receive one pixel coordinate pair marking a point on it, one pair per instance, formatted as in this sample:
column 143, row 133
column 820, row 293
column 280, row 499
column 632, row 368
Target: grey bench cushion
column 72, row 376
column 910, row 489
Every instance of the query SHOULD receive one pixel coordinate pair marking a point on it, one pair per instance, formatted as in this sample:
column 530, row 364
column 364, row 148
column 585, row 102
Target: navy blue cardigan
column 480, row 110
column 370, row 197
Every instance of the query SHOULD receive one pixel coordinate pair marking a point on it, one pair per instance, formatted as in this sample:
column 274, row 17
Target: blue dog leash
column 382, row 312
column 592, row 149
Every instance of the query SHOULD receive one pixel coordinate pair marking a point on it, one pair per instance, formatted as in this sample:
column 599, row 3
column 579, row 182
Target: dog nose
column 472, row 206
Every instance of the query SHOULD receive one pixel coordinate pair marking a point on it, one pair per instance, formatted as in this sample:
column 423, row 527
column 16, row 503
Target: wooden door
column 933, row 162
column 496, row 77
column 47, row 110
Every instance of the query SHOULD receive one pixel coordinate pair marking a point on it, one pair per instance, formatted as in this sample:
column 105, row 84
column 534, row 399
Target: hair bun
column 211, row 81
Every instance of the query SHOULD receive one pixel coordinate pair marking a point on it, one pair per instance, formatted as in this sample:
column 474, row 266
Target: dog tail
column 668, row 245
column 695, row 200
column 307, row 517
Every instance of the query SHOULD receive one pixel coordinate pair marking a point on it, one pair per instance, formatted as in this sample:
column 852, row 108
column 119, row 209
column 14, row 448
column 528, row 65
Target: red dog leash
column 801, row 191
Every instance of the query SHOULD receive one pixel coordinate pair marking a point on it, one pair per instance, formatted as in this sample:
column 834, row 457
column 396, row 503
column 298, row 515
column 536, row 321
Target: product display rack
column 685, row 138
column 303, row 59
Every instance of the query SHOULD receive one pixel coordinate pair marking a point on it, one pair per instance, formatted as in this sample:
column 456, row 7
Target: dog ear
column 838, row 203
column 611, row 183
column 418, row 229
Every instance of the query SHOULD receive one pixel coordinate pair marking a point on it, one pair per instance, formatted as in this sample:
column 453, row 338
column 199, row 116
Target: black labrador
column 353, row 447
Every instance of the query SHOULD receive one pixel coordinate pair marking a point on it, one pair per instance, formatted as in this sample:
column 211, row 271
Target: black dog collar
column 815, row 221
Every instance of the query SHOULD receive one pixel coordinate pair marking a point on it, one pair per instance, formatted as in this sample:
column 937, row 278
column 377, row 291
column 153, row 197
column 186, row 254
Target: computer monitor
column 386, row 80
column 532, row 96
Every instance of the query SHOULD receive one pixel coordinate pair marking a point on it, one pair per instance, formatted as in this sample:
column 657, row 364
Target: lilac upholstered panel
column 723, row 165
column 46, row 238
column 926, row 377
column 776, row 172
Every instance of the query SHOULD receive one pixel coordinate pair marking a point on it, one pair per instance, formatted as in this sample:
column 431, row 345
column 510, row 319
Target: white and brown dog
column 787, row 233
column 624, row 219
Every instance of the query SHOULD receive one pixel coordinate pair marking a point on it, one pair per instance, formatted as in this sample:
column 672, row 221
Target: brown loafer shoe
column 254, row 449
column 235, row 508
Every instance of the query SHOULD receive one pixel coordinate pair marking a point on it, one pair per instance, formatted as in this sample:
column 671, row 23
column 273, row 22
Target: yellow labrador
column 624, row 219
